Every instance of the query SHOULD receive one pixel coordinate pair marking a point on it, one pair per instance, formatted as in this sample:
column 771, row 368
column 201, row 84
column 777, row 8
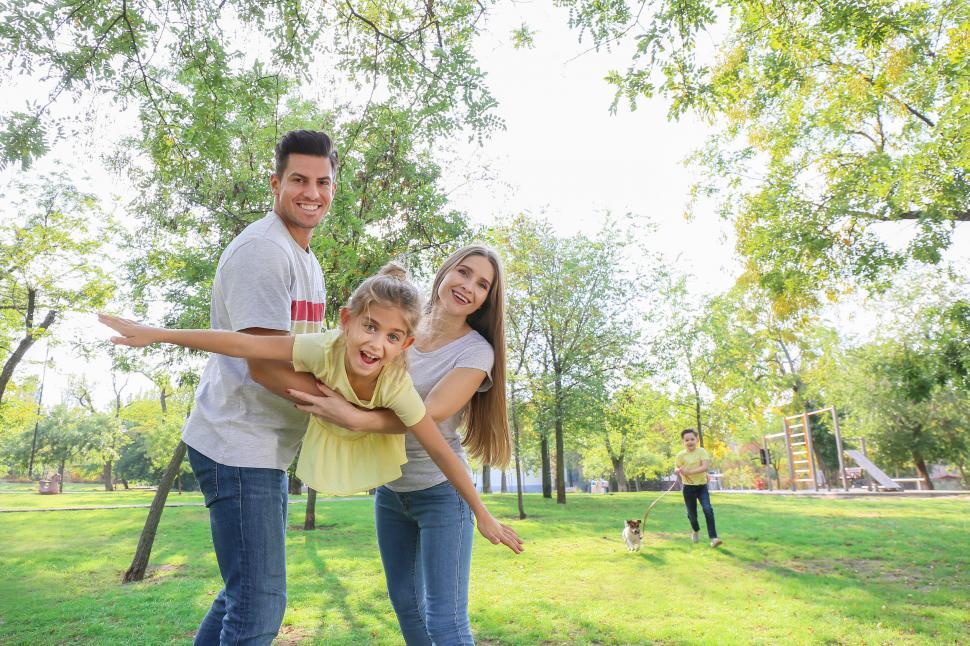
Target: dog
column 632, row 536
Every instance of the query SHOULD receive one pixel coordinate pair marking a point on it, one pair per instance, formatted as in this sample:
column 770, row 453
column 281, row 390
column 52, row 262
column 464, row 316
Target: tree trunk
column 921, row 469
column 295, row 487
column 546, row 468
column 15, row 357
column 518, row 463
column 106, row 476
column 619, row 473
column 505, row 483
column 697, row 416
column 60, row 482
column 310, row 520
column 486, row 478
column 124, row 483
column 144, row 550
column 560, row 447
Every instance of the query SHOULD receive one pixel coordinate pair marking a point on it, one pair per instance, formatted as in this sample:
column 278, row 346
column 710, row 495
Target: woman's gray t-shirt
column 426, row 370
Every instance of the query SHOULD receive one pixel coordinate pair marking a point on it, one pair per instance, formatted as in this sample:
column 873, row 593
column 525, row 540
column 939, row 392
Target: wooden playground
column 791, row 458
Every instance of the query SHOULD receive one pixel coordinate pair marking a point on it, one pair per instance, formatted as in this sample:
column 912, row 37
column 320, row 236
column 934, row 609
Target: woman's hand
column 328, row 405
column 497, row 533
column 132, row 333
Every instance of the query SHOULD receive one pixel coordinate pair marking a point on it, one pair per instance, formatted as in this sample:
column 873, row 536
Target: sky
column 562, row 154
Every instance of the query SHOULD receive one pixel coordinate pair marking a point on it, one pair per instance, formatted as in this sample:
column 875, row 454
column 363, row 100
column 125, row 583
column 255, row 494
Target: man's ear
column 274, row 184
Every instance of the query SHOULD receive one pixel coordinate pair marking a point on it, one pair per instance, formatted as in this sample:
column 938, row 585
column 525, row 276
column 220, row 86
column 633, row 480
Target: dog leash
column 654, row 503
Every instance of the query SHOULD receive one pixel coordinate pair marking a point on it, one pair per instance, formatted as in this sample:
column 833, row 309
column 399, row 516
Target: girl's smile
column 375, row 338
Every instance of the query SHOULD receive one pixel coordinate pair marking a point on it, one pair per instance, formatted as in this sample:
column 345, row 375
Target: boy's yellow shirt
column 692, row 460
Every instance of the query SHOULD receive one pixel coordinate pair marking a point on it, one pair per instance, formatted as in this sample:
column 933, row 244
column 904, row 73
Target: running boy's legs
column 705, row 497
column 247, row 515
column 690, row 501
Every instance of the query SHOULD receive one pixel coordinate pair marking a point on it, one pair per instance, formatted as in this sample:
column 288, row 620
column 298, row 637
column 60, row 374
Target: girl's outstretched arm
column 232, row 344
column 426, row 432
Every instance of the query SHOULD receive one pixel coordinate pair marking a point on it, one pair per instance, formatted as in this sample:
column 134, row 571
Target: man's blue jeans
column 247, row 514
column 693, row 493
column 425, row 539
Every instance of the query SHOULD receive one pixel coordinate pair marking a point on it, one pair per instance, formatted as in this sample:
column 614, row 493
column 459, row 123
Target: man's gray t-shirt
column 264, row 280
column 426, row 370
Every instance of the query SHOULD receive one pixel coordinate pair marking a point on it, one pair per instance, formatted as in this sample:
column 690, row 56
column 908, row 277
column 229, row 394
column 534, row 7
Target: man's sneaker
column 715, row 542
column 695, row 537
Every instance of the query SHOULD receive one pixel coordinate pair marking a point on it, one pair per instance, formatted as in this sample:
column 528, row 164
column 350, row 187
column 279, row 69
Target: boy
column 692, row 465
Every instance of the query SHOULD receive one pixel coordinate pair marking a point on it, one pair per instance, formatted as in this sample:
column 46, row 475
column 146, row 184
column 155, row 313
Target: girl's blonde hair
column 486, row 417
column 390, row 287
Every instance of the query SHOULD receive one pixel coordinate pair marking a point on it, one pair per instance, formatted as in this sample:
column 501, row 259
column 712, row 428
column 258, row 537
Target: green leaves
column 856, row 113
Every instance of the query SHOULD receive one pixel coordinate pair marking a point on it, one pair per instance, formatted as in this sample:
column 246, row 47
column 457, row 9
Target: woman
column 424, row 529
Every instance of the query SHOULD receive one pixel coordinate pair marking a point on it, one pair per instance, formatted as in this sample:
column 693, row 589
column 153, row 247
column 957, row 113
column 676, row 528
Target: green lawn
column 792, row 571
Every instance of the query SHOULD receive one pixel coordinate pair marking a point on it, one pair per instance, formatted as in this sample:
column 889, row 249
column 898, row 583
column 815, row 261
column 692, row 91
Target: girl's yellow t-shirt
column 339, row 461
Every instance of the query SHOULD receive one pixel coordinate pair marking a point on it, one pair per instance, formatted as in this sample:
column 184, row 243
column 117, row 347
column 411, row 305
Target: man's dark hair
column 686, row 431
column 305, row 142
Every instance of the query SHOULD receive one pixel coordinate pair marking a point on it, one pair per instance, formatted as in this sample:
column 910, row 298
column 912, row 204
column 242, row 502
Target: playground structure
column 803, row 469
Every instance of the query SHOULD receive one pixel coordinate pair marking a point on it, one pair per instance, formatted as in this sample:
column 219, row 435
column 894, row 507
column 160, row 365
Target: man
column 241, row 438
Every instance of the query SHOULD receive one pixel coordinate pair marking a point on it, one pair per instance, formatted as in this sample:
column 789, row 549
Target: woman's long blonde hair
column 486, row 417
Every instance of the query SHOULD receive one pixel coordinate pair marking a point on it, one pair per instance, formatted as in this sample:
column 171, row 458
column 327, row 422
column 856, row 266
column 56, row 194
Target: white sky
column 562, row 154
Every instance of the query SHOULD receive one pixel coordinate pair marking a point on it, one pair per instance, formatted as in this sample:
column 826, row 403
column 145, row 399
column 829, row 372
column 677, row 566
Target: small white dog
column 632, row 536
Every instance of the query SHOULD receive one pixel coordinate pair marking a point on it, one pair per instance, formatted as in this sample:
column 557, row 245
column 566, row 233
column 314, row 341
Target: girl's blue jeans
column 247, row 515
column 425, row 539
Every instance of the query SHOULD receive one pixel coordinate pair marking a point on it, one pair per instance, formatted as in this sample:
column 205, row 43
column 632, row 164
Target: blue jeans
column 693, row 493
column 247, row 514
column 425, row 539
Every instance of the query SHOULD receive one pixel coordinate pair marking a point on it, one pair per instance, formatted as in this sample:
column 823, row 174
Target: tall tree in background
column 50, row 252
column 584, row 323
column 837, row 119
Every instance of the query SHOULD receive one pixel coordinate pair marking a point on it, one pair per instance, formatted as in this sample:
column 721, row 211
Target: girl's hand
column 132, row 333
column 497, row 533
column 678, row 471
column 329, row 405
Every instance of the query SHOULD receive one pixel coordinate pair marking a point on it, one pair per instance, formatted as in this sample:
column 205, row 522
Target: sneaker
column 716, row 542
column 695, row 537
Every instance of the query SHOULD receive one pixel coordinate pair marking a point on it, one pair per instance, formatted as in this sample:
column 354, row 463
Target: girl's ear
column 345, row 317
column 408, row 342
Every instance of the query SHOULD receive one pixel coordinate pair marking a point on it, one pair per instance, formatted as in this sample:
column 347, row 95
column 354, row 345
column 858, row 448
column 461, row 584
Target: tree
column 836, row 120
column 583, row 324
column 139, row 563
column 142, row 53
column 50, row 264
column 909, row 390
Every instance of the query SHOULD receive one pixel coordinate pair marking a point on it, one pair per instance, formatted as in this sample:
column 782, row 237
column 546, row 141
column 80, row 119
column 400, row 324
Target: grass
column 792, row 571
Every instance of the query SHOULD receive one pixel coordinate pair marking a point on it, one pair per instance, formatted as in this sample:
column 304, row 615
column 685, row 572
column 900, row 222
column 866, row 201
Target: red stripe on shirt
column 306, row 311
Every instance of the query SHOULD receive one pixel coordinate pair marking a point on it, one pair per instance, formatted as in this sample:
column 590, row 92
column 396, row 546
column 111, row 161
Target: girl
column 458, row 366
column 364, row 362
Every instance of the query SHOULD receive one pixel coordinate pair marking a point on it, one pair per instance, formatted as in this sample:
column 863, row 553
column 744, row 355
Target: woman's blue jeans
column 425, row 539
column 247, row 514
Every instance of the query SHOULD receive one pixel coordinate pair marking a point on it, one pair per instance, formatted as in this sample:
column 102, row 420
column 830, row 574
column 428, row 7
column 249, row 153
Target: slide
column 877, row 474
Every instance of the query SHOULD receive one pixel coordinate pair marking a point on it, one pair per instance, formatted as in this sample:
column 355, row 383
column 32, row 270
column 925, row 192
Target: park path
column 146, row 506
